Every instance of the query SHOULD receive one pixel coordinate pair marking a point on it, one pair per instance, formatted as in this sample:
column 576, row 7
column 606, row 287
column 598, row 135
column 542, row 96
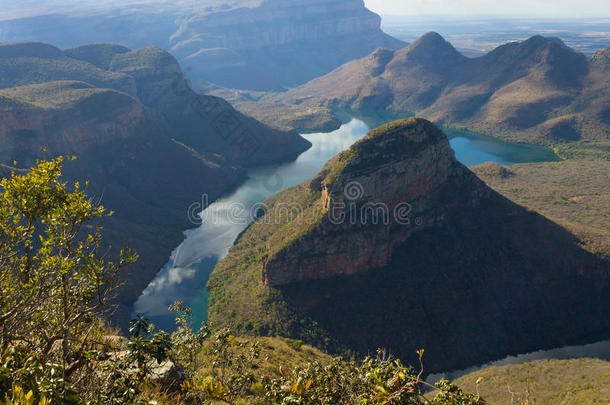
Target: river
column 186, row 273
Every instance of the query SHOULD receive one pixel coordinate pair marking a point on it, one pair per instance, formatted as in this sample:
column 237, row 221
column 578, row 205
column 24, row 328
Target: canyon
column 149, row 145
column 261, row 45
column 535, row 91
column 435, row 279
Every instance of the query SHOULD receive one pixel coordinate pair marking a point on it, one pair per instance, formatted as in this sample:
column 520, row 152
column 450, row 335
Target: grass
column 58, row 95
column 20, row 71
column 549, row 382
column 276, row 352
column 575, row 194
column 583, row 150
column 236, row 285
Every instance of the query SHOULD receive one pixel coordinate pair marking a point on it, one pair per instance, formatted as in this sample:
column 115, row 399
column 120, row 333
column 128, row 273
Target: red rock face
column 393, row 201
column 471, row 277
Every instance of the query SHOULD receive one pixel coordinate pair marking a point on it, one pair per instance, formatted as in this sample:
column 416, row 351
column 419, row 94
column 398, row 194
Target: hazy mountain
column 251, row 44
column 537, row 90
column 395, row 244
column 150, row 145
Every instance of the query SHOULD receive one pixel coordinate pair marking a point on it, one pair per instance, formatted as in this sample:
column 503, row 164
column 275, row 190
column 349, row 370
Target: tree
column 55, row 280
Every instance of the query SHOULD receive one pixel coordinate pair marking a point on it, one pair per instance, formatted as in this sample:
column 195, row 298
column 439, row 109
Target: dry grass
column 549, row 382
column 575, row 194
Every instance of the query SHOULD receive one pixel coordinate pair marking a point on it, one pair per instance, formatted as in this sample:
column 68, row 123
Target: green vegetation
column 575, row 194
column 55, row 284
column 31, row 63
column 582, row 150
column 543, row 382
column 63, row 95
column 236, row 283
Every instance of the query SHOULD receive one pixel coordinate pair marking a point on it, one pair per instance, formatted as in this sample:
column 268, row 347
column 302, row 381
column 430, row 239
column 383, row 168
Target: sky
column 534, row 8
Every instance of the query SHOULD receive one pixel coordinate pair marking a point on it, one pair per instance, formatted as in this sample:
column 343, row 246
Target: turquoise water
column 187, row 271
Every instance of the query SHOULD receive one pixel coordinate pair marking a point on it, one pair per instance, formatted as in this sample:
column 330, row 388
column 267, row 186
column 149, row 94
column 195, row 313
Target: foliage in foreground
column 56, row 283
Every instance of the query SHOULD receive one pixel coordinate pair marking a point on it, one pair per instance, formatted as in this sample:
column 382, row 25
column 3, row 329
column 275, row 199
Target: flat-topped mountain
column 395, row 244
column 538, row 90
column 154, row 78
column 280, row 43
column 150, row 145
column 251, row 44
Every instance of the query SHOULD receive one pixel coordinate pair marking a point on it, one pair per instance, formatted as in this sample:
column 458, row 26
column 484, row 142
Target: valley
column 122, row 112
column 222, row 222
column 534, row 91
column 302, row 297
column 304, row 202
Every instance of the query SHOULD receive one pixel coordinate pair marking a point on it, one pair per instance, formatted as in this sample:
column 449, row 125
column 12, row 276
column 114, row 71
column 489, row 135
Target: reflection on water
column 472, row 149
column 187, row 271
column 185, row 275
column 600, row 350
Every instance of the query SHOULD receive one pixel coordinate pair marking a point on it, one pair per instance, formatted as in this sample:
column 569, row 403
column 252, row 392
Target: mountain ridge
column 476, row 294
column 148, row 143
column 249, row 44
column 537, row 91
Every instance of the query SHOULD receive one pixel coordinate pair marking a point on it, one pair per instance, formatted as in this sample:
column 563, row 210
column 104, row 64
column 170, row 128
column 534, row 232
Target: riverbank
column 186, row 273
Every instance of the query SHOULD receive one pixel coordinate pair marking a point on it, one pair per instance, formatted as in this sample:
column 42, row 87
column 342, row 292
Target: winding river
column 186, row 273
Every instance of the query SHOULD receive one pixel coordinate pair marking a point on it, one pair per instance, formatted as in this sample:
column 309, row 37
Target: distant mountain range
column 395, row 244
column 538, row 90
column 251, row 44
column 149, row 144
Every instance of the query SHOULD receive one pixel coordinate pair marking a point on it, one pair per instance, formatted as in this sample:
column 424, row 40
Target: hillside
column 537, row 91
column 252, row 44
column 549, row 382
column 149, row 144
column 312, row 269
column 574, row 194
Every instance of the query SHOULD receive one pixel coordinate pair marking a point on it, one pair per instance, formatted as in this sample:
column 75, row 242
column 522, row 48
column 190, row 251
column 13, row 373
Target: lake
column 188, row 269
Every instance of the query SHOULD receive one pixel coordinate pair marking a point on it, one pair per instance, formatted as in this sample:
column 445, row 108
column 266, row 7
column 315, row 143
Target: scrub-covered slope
column 149, row 144
column 395, row 244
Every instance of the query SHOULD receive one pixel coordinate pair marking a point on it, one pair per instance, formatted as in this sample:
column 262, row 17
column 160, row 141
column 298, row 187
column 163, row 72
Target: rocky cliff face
column 276, row 22
column 249, row 44
column 151, row 147
column 280, row 43
column 457, row 269
column 385, row 183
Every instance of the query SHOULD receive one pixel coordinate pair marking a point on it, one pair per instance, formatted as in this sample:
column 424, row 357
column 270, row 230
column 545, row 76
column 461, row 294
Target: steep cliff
column 150, row 145
column 252, row 44
column 395, row 244
column 280, row 43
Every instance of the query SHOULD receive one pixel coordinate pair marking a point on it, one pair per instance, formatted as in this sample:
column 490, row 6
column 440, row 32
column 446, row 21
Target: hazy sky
column 538, row 8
